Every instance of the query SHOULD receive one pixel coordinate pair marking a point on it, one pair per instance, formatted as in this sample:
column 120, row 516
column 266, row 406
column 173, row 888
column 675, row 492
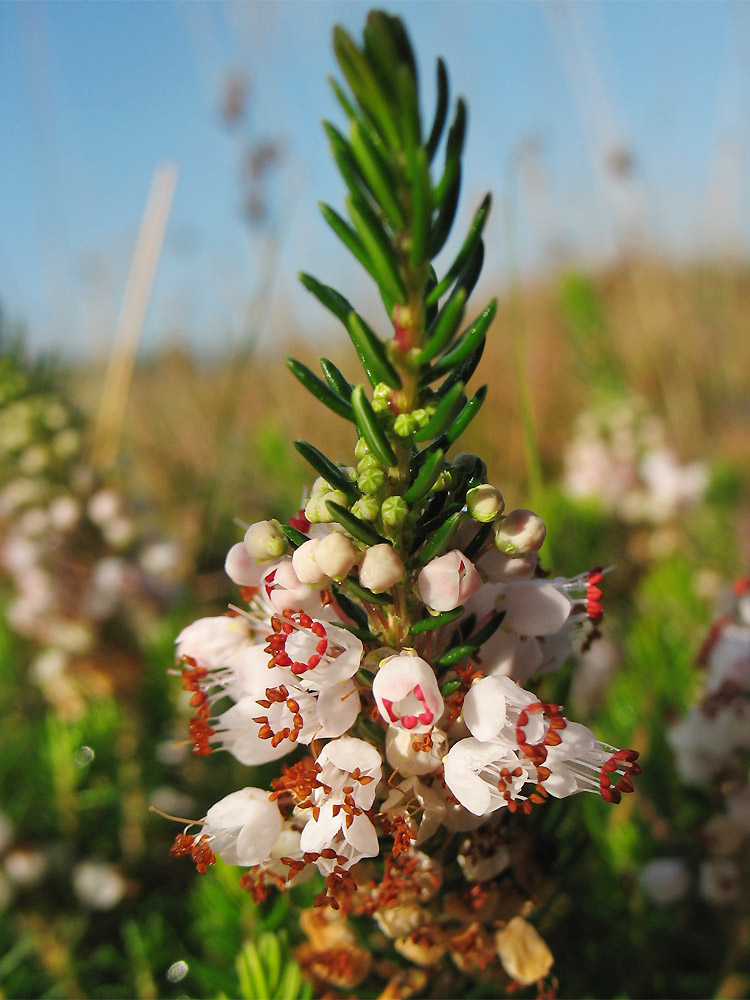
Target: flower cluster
column 388, row 633
column 711, row 745
column 620, row 459
column 70, row 549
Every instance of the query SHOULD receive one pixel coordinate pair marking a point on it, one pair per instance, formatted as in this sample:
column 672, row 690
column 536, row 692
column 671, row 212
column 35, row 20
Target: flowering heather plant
column 80, row 580
column 386, row 635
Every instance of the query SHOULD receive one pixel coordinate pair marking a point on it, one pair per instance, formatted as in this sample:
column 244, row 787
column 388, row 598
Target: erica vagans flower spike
column 387, row 628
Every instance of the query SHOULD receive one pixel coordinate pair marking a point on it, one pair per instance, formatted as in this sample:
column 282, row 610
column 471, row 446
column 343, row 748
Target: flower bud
column 407, row 694
column 404, row 425
column 381, row 568
column 366, row 508
column 371, row 481
column 395, row 511
column 361, row 448
column 317, row 511
column 305, row 564
column 520, row 533
column 265, row 541
column 336, row 555
column 368, row 462
column 485, row 503
column 448, row 581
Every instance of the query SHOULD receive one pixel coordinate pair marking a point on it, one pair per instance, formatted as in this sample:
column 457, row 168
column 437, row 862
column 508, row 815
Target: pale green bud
column 368, row 462
column 380, row 405
column 443, row 481
column 404, row 425
column 371, row 480
column 366, row 508
column 484, row 503
column 394, row 511
column 422, row 417
column 317, row 511
column 361, row 448
column 265, row 541
column 382, row 391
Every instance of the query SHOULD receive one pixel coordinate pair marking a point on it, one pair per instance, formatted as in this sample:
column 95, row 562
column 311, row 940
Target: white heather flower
column 212, row 642
column 423, row 807
column 401, row 755
column 520, row 533
column 665, row 880
column 447, row 581
column 381, row 568
column 352, row 837
column 517, row 740
column 243, row 827
column 98, row 885
column 495, row 566
column 104, row 506
column 305, row 564
column 315, row 654
column 407, row 693
column 348, row 763
column 265, row 541
column 240, row 568
column 64, row 513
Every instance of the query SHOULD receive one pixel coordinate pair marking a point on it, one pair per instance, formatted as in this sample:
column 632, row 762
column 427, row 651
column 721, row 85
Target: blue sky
column 96, row 95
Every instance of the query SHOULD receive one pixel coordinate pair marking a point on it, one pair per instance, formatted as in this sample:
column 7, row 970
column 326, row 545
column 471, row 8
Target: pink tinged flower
column 336, row 555
column 448, row 581
column 315, row 654
column 243, row 827
column 534, row 608
column 407, row 693
column 520, row 533
column 305, row 564
column 485, row 776
column 495, row 566
column 240, row 568
column 283, row 590
column 381, row 568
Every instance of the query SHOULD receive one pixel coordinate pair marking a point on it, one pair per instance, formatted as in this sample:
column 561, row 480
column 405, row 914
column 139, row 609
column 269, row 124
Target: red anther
column 610, row 765
column 594, row 593
column 328, row 853
column 557, row 722
column 292, row 705
column 553, row 739
column 321, row 647
column 305, row 620
column 523, row 718
column 313, row 661
column 604, row 780
column 595, row 575
column 625, row 784
column 300, row 522
column 283, row 660
column 316, row 813
column 317, row 628
column 741, row 586
column 310, row 857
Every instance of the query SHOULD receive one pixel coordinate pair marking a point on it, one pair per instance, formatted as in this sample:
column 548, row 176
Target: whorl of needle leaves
column 400, row 208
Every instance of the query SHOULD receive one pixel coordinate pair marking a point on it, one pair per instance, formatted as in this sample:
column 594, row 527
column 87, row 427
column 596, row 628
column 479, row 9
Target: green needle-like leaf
column 364, row 85
column 440, row 540
column 421, row 207
column 472, row 238
column 449, row 406
column 325, row 468
column 446, row 214
column 327, row 296
column 436, row 621
column 371, row 352
column 427, row 476
column 379, row 178
column 348, row 237
column 453, row 151
column 342, row 98
column 335, row 379
column 450, row 686
column 440, row 111
column 451, row 656
column 356, row 527
column 466, row 415
column 295, row 536
column 368, row 596
column 477, row 543
column 320, row 390
column 379, row 249
column 370, row 428
column 470, row 340
column 442, row 331
column 488, row 630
